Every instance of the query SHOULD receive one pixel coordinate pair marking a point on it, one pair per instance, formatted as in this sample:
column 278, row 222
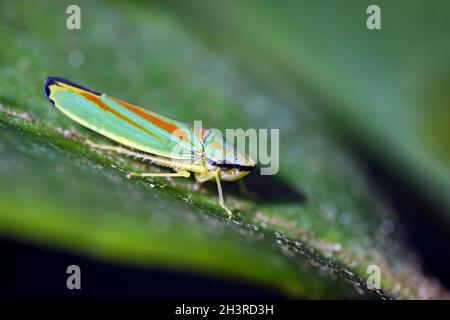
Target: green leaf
column 311, row 231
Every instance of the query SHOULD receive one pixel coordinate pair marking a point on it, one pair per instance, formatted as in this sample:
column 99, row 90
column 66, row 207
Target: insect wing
column 127, row 124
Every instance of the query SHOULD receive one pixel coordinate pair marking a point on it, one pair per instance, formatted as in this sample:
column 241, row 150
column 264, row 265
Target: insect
column 150, row 136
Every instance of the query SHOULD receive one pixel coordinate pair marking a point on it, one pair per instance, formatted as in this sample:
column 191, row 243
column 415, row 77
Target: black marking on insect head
column 229, row 166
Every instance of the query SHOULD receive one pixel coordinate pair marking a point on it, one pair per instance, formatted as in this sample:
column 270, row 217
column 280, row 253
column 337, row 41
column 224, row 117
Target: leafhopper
column 151, row 136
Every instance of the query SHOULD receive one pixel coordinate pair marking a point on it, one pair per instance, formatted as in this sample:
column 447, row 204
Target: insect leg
column 120, row 150
column 157, row 160
column 221, row 201
column 245, row 191
column 101, row 146
column 184, row 174
column 160, row 161
column 131, row 153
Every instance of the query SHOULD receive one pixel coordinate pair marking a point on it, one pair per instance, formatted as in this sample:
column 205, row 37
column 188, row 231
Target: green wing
column 125, row 123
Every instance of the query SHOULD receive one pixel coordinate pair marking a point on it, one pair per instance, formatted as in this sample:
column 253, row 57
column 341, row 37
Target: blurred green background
column 335, row 89
column 387, row 89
